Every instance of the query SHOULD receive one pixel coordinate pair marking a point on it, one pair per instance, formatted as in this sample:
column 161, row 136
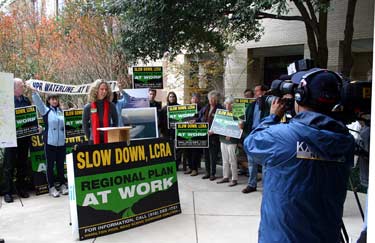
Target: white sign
column 8, row 136
column 55, row 88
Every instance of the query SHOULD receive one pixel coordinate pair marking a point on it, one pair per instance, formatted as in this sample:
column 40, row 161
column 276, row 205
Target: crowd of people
column 102, row 111
column 304, row 179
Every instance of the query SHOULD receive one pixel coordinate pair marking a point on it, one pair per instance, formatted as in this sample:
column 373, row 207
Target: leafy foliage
column 150, row 28
column 78, row 46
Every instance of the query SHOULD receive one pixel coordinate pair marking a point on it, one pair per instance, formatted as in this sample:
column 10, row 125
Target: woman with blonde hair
column 99, row 112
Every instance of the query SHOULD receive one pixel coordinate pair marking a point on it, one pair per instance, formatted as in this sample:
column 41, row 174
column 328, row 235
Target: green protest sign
column 41, row 122
column 26, row 121
column 224, row 124
column 192, row 135
column 38, row 160
column 148, row 77
column 118, row 186
column 73, row 123
column 180, row 113
column 239, row 107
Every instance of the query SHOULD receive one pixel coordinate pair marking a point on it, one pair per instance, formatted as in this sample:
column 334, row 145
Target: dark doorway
column 275, row 66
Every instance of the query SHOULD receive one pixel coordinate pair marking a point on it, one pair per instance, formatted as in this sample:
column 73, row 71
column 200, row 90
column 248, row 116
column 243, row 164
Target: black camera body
column 355, row 100
column 355, row 96
column 279, row 88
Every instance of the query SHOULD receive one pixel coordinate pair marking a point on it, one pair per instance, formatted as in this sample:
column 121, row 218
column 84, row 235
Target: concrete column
column 334, row 56
column 235, row 74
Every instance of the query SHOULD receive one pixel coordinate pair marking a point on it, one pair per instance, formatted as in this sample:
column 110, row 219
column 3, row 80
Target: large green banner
column 118, row 187
column 180, row 113
column 38, row 160
column 239, row 107
column 192, row 135
column 224, row 124
column 26, row 121
column 148, row 77
column 73, row 123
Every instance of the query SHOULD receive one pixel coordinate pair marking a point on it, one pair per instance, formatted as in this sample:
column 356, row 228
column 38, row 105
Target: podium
column 117, row 134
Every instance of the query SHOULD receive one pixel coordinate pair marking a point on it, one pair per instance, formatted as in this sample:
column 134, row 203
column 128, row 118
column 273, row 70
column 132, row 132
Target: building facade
column 283, row 42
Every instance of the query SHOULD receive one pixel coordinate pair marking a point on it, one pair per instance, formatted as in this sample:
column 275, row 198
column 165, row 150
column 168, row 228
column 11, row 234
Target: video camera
column 355, row 96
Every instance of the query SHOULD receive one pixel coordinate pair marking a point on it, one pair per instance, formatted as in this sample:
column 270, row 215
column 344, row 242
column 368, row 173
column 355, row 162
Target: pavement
column 211, row 213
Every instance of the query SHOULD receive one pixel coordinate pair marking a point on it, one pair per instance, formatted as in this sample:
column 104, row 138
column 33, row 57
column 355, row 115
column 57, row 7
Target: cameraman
column 308, row 162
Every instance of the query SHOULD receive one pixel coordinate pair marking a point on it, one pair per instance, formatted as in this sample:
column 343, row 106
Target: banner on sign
column 239, row 107
column 194, row 135
column 148, row 77
column 180, row 113
column 224, row 124
column 116, row 186
column 26, row 121
column 38, row 160
column 73, row 123
column 55, row 88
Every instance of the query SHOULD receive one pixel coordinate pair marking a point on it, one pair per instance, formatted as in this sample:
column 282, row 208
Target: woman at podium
column 99, row 112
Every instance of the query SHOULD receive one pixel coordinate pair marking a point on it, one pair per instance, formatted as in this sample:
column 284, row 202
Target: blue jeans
column 253, row 171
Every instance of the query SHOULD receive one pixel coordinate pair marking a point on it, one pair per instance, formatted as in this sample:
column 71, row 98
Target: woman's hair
column 229, row 100
column 171, row 92
column 50, row 96
column 213, row 94
column 93, row 92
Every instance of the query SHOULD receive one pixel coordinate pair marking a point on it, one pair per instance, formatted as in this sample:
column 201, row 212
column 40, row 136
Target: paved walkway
column 211, row 213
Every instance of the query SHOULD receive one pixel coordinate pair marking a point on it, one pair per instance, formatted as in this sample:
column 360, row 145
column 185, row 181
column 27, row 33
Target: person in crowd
column 248, row 93
column 306, row 175
column 254, row 113
column 121, row 102
column 54, row 140
column 169, row 132
column 16, row 157
column 99, row 112
column 153, row 102
column 194, row 155
column 207, row 114
column 228, row 146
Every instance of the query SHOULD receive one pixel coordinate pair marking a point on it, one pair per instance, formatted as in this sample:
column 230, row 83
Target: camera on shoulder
column 323, row 90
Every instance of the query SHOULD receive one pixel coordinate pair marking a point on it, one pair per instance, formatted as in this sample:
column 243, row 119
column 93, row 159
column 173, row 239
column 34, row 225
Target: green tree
column 150, row 28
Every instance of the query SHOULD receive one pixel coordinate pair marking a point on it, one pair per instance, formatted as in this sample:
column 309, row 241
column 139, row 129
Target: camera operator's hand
column 278, row 107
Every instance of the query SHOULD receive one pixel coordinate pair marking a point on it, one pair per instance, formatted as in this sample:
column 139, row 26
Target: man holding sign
column 16, row 157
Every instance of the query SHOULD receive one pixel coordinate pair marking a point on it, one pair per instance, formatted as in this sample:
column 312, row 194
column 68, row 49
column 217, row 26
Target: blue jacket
column 307, row 168
column 56, row 125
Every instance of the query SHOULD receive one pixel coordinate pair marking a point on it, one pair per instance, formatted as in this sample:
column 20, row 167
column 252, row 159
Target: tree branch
column 307, row 18
column 348, row 38
column 264, row 15
column 312, row 11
